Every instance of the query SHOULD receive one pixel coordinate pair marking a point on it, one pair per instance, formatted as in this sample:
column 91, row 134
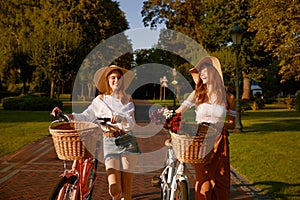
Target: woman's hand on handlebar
column 56, row 112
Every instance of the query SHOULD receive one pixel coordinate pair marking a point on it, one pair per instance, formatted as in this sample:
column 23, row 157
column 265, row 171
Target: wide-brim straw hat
column 210, row 60
column 102, row 73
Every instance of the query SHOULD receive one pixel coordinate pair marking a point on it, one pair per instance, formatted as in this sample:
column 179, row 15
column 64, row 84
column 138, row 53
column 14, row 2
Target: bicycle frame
column 81, row 169
column 167, row 174
column 179, row 176
column 173, row 173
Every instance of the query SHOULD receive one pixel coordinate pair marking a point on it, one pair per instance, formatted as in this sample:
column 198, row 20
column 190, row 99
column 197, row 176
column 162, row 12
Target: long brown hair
column 213, row 91
column 201, row 92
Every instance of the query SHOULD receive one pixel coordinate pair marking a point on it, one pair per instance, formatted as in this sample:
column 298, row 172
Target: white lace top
column 112, row 106
column 205, row 112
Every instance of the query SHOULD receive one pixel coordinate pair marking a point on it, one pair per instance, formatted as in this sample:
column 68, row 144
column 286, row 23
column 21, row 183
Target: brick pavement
column 30, row 173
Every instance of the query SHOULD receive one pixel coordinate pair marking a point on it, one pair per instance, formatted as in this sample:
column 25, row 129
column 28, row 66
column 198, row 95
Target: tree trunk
column 246, row 86
column 52, row 88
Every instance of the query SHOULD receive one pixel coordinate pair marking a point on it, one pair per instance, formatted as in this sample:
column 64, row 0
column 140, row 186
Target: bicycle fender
column 183, row 178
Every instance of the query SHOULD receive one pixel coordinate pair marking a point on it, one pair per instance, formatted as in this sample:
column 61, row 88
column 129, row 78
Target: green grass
column 19, row 128
column 267, row 153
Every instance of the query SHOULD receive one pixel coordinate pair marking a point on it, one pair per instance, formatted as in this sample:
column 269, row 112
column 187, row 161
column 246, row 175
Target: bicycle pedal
column 156, row 181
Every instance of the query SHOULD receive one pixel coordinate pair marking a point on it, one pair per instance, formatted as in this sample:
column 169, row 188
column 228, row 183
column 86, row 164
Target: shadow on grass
column 268, row 126
column 273, row 120
column 273, row 113
column 279, row 190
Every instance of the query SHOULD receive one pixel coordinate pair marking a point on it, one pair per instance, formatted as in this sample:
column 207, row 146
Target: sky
column 132, row 9
column 142, row 37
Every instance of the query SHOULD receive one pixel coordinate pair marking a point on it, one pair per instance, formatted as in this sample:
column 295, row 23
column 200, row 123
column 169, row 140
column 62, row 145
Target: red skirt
column 213, row 178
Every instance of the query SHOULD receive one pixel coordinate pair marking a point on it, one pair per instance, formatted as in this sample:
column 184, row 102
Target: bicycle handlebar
column 62, row 117
column 104, row 120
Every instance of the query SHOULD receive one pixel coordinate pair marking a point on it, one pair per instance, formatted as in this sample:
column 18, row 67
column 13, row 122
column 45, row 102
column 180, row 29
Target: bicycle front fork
column 177, row 179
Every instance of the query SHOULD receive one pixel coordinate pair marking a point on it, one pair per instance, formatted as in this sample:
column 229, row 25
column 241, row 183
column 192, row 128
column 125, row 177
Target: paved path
column 30, row 173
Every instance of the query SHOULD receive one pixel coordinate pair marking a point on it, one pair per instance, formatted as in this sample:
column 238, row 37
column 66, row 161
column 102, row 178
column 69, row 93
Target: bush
column 30, row 103
column 297, row 101
column 245, row 104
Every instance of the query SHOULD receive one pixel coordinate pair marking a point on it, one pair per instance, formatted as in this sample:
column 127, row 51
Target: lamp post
column 236, row 35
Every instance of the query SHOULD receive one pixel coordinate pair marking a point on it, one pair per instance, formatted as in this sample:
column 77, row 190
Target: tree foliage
column 277, row 28
column 52, row 37
column 210, row 24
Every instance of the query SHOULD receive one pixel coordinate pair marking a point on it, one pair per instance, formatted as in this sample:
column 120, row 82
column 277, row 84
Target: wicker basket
column 195, row 149
column 67, row 139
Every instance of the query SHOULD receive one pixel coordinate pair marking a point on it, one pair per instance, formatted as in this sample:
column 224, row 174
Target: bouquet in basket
column 169, row 118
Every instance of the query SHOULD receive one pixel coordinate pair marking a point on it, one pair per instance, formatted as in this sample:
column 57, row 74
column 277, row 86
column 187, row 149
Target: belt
column 113, row 134
column 206, row 124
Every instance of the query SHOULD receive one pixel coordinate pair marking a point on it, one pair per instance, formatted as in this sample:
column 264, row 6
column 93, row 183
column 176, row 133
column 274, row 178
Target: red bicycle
column 70, row 140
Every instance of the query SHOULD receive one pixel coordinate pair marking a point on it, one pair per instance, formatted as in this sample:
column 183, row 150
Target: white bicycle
column 173, row 181
column 183, row 149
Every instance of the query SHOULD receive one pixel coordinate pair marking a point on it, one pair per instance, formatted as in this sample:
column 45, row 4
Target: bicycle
column 173, row 181
column 183, row 149
column 77, row 182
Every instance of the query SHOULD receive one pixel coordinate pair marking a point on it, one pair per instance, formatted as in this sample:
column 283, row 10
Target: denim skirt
column 111, row 149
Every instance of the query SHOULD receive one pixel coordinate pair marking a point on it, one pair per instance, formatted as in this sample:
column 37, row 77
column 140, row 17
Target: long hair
column 213, row 91
column 201, row 92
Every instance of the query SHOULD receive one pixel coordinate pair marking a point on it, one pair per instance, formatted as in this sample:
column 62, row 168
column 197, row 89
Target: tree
column 210, row 24
column 277, row 28
column 14, row 34
column 55, row 36
column 54, row 39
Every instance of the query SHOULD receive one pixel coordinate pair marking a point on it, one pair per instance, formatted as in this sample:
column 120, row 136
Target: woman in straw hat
column 114, row 103
column 209, row 99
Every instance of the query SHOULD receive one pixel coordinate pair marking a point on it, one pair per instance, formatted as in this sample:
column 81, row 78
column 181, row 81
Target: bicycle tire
column 61, row 192
column 181, row 192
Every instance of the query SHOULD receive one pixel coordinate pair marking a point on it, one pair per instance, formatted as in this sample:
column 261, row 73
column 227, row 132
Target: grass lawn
column 267, row 153
column 18, row 128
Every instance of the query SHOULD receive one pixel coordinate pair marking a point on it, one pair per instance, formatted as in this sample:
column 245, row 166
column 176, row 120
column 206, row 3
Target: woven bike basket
column 67, row 139
column 194, row 149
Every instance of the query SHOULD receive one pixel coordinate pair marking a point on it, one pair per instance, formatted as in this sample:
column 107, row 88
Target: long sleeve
column 88, row 114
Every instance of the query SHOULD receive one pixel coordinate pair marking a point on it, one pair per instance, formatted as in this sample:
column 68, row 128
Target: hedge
column 30, row 102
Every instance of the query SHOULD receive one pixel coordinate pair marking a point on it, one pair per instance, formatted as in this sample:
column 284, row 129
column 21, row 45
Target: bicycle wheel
column 65, row 189
column 181, row 192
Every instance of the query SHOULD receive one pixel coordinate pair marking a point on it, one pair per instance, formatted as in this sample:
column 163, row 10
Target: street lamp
column 236, row 35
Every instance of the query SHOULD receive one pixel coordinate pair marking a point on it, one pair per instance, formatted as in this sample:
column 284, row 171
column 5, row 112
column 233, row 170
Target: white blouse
column 205, row 112
column 111, row 106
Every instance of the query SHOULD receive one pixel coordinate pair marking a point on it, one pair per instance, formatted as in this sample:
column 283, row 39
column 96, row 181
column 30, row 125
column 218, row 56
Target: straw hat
column 210, row 60
column 102, row 73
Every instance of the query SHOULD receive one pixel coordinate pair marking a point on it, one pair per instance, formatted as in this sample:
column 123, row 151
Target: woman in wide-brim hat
column 209, row 100
column 114, row 103
column 101, row 76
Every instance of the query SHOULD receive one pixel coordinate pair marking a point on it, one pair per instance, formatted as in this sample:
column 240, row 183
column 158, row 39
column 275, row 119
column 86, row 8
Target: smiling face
column 203, row 74
column 114, row 80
